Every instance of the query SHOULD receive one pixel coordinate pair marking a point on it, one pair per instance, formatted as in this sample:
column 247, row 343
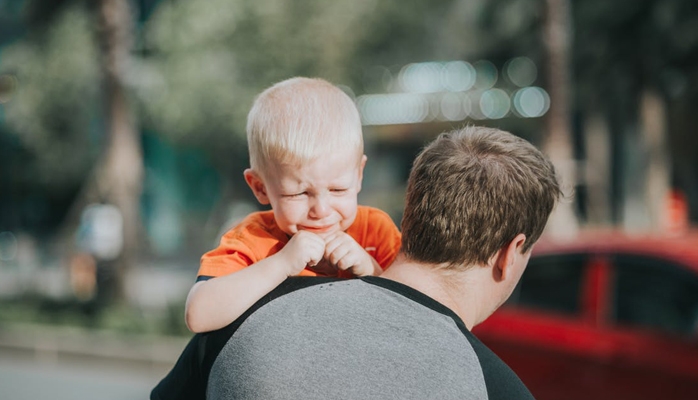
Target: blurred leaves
column 205, row 61
column 54, row 110
column 187, row 81
column 199, row 64
column 627, row 45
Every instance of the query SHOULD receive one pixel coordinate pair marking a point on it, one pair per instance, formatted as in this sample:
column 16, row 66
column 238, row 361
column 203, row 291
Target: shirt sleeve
column 185, row 381
column 386, row 237
column 230, row 256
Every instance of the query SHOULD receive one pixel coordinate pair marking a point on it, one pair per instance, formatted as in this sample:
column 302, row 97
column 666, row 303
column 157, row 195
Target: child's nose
column 320, row 207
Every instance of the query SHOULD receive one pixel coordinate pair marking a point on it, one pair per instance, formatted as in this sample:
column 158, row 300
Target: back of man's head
column 300, row 119
column 470, row 192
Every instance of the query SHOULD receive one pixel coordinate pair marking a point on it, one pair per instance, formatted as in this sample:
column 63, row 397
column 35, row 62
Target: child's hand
column 342, row 251
column 304, row 249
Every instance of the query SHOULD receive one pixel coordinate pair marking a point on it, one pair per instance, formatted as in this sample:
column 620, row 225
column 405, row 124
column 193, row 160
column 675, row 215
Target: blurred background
column 122, row 141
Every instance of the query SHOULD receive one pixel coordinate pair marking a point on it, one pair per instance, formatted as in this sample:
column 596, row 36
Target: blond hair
column 470, row 192
column 300, row 119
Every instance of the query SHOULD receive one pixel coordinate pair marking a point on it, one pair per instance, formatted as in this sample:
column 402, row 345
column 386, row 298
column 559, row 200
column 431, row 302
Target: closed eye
column 295, row 194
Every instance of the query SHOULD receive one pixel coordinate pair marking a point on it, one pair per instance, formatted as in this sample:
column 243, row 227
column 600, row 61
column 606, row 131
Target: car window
column 551, row 283
column 655, row 294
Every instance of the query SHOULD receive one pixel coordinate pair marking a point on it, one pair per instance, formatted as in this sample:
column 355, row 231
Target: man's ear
column 504, row 261
column 361, row 172
column 255, row 182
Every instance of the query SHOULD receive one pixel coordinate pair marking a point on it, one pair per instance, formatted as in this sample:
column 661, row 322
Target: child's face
column 319, row 196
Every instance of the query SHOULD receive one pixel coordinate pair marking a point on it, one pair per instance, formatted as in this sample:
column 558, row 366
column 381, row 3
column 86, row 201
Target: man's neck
column 456, row 290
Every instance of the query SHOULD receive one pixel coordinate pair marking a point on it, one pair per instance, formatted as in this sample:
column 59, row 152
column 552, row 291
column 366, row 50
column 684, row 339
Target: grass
column 119, row 318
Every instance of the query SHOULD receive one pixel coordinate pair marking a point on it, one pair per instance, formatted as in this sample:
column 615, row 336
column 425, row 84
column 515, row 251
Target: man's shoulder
column 291, row 284
column 387, row 326
column 501, row 381
column 213, row 342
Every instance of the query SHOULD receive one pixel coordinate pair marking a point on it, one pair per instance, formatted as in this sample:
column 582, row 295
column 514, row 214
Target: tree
column 64, row 47
column 558, row 138
column 52, row 119
column 634, row 59
column 120, row 175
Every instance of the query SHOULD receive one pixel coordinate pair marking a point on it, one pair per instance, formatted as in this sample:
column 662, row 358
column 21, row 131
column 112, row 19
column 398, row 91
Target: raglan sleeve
column 186, row 380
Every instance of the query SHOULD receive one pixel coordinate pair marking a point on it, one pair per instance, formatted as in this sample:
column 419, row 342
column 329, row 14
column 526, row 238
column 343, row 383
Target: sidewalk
column 155, row 353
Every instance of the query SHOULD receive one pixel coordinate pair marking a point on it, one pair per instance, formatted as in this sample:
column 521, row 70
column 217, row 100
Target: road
column 34, row 376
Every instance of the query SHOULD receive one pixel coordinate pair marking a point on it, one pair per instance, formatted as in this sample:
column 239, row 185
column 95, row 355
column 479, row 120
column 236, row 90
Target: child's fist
column 342, row 251
column 304, row 249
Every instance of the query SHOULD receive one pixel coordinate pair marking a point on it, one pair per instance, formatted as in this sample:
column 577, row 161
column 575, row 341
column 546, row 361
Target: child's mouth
column 317, row 229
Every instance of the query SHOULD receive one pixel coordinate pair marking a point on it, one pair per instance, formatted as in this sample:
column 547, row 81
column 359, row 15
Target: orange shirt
column 257, row 237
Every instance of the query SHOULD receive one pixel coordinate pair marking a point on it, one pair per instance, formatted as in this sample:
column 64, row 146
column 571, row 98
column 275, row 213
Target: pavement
column 151, row 288
column 48, row 362
column 147, row 352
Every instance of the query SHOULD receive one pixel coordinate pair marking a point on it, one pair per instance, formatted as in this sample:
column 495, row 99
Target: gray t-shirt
column 368, row 338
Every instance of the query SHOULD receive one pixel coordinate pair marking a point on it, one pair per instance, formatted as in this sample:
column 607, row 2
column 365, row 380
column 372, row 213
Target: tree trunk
column 557, row 143
column 597, row 171
column 658, row 185
column 120, row 175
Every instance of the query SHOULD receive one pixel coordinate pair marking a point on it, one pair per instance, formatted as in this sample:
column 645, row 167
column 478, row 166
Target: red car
column 604, row 316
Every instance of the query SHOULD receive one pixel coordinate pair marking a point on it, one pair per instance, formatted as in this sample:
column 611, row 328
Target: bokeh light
column 521, row 71
column 421, row 77
column 397, row 108
column 486, row 74
column 495, row 103
column 531, row 102
column 458, row 76
column 452, row 107
column 475, row 106
column 453, row 91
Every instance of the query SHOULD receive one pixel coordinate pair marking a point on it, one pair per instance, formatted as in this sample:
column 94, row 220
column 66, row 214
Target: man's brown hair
column 471, row 191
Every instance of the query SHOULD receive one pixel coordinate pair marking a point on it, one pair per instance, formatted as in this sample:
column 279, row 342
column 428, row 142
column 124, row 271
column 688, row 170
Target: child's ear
column 255, row 182
column 361, row 172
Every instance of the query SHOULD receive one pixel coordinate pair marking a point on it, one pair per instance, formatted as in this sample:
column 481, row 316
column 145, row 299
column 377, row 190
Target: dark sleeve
column 185, row 381
column 502, row 382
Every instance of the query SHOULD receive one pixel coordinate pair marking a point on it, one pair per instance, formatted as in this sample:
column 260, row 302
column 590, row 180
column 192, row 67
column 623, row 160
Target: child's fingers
column 331, row 245
column 340, row 257
column 308, row 246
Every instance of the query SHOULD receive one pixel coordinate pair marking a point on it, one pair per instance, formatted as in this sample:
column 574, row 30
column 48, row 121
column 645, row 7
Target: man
column 477, row 200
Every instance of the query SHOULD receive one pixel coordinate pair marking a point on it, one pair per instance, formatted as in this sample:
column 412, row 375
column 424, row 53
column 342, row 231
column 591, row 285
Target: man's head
column 471, row 192
column 306, row 155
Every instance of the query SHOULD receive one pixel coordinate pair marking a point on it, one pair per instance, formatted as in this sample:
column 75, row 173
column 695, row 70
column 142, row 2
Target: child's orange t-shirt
column 257, row 237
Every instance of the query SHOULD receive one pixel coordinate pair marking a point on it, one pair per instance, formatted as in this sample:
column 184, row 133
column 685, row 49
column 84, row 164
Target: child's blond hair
column 299, row 120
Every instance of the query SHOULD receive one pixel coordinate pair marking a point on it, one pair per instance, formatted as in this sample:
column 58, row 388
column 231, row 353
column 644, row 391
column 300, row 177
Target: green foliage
column 87, row 315
column 205, row 61
column 55, row 111
column 187, row 83
column 197, row 65
column 623, row 47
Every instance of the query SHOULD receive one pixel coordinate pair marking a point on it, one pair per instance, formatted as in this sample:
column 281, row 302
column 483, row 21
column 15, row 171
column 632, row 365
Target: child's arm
column 217, row 302
column 346, row 253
